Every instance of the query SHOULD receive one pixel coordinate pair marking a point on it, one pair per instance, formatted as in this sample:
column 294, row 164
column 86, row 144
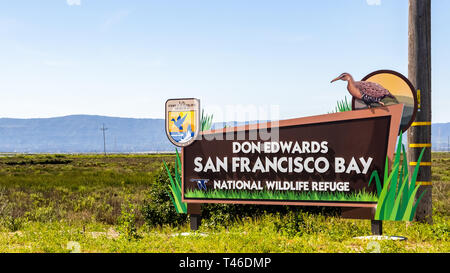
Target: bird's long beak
column 338, row 78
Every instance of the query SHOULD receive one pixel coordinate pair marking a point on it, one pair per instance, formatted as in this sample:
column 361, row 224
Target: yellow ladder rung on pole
column 420, row 145
column 421, row 163
column 424, row 183
column 421, row 123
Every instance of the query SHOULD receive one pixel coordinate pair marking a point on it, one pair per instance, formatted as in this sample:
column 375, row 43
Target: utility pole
column 104, row 138
column 419, row 73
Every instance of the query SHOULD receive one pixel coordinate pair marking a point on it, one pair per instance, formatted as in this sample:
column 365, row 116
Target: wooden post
column 419, row 73
column 377, row 227
column 195, row 215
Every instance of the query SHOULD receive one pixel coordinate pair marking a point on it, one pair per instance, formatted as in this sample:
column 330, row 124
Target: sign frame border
column 394, row 111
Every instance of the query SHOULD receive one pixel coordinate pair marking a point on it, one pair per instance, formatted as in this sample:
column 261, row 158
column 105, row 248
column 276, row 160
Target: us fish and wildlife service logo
column 201, row 183
column 182, row 121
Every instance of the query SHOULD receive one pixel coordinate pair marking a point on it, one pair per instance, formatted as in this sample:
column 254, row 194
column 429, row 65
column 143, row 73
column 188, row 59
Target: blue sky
column 125, row 58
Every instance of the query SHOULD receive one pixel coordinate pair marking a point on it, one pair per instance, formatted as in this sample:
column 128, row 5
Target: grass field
column 64, row 203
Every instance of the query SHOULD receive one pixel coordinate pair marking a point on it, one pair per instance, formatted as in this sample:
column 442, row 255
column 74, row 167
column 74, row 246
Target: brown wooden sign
column 323, row 160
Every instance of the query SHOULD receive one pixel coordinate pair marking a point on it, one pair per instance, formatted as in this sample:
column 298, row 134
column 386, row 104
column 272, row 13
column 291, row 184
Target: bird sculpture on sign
column 367, row 92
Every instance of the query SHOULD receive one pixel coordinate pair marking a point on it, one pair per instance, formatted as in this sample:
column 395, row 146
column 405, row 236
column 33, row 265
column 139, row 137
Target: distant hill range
column 82, row 134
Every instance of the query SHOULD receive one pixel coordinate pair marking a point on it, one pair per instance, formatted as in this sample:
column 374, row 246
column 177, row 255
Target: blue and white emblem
column 201, row 183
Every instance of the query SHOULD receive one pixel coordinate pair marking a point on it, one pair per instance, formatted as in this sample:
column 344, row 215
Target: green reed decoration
column 175, row 186
column 396, row 197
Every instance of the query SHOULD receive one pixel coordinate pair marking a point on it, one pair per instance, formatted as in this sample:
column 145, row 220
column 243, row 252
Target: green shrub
column 13, row 223
column 41, row 214
column 158, row 208
column 127, row 222
column 10, row 217
column 290, row 224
